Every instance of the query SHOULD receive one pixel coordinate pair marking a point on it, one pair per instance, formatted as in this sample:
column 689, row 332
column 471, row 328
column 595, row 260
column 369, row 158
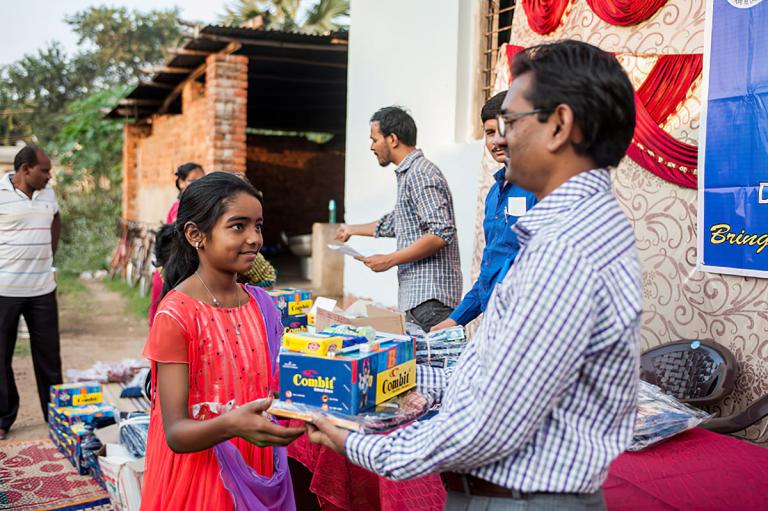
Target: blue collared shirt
column 503, row 206
column 545, row 397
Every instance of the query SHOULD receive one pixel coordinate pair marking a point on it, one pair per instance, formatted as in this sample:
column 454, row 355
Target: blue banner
column 733, row 155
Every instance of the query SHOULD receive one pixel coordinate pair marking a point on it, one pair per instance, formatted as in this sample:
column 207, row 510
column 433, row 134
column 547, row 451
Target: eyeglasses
column 504, row 121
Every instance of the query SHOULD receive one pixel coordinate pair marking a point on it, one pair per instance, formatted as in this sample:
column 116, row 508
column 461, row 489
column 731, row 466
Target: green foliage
column 89, row 144
column 115, row 45
column 119, row 42
column 90, row 147
column 58, row 100
column 69, row 285
column 36, row 90
column 88, row 226
column 322, row 16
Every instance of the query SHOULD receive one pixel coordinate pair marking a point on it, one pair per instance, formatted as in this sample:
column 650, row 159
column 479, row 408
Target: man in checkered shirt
column 544, row 398
column 423, row 222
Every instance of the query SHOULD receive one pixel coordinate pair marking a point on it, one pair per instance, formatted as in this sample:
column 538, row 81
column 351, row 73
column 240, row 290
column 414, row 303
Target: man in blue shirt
column 504, row 204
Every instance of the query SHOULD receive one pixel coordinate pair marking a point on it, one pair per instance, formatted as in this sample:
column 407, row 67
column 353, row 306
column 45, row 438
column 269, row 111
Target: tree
column 87, row 144
column 322, row 16
column 58, row 99
column 116, row 44
column 122, row 42
column 37, row 88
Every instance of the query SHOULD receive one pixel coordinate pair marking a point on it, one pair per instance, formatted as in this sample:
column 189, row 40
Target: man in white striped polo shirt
column 29, row 233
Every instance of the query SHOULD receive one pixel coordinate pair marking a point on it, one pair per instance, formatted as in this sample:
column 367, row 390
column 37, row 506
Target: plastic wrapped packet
column 133, row 433
column 387, row 416
column 661, row 416
column 362, row 331
column 135, row 388
column 103, row 372
column 441, row 348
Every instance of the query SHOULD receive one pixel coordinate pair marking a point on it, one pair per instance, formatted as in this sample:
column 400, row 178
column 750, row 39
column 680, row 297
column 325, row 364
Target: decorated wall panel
column 660, row 199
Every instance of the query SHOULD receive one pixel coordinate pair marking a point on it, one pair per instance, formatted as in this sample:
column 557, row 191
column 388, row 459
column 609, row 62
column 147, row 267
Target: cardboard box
column 123, row 476
column 320, row 344
column 294, row 323
column 348, row 383
column 69, row 440
column 69, row 415
column 291, row 302
column 76, row 394
column 360, row 313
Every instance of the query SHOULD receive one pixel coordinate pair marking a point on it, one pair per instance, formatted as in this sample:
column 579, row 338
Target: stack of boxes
column 72, row 406
column 351, row 381
column 293, row 305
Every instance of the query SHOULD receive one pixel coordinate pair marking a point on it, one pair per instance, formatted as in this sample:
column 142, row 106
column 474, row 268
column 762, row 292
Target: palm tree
column 322, row 16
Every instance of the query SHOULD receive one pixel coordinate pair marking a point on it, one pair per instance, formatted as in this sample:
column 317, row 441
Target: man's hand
column 322, row 432
column 446, row 323
column 343, row 233
column 379, row 262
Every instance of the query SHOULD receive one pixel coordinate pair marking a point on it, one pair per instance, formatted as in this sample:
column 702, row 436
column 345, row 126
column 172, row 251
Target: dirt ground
column 95, row 325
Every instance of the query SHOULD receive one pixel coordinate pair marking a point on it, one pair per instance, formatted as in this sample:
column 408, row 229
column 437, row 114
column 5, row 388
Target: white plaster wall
column 422, row 56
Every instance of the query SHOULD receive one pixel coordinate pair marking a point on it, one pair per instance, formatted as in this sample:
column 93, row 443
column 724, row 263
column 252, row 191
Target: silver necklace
column 217, row 303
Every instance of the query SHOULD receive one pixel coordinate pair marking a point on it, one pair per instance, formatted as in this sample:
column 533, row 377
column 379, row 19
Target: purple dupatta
column 250, row 490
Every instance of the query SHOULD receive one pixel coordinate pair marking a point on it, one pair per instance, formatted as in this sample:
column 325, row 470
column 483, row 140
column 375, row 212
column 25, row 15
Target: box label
column 86, row 399
column 296, row 308
column 394, row 381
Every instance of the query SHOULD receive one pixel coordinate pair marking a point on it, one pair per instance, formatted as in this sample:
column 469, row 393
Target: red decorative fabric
column 625, row 12
column 342, row 486
column 696, row 470
column 512, row 50
column 544, row 15
column 660, row 94
column 661, row 153
column 668, row 84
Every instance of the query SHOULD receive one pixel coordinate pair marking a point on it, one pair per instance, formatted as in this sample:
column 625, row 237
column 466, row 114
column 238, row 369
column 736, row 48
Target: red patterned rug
column 36, row 476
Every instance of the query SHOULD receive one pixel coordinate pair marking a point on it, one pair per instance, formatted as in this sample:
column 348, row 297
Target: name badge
column 516, row 206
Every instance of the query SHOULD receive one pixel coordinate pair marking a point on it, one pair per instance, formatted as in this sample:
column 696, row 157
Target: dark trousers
column 428, row 314
column 42, row 316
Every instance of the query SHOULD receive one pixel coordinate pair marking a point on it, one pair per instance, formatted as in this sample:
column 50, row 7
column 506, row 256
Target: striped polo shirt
column 26, row 255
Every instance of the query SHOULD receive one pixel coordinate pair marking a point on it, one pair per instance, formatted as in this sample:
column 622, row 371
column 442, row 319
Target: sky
column 30, row 24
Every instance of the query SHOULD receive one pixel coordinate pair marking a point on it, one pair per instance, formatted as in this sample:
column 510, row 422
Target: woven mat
column 36, row 476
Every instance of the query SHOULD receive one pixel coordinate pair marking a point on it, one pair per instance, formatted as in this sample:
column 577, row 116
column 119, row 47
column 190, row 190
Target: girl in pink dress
column 211, row 363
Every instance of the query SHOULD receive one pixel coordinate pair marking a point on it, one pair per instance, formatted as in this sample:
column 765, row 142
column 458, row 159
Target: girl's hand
column 249, row 423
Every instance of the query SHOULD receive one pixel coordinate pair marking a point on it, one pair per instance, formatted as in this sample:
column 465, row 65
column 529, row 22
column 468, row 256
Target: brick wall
column 227, row 95
column 298, row 178
column 210, row 131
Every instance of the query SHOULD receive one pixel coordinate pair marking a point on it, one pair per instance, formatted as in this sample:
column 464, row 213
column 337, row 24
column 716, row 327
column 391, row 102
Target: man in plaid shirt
column 544, row 398
column 423, row 222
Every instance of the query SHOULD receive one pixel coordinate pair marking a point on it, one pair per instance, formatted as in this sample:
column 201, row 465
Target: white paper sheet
column 346, row 250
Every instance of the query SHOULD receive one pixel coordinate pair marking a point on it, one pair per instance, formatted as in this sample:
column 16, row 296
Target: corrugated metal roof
column 295, row 74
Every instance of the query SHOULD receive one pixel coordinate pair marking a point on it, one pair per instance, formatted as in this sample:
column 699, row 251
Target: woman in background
column 185, row 175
